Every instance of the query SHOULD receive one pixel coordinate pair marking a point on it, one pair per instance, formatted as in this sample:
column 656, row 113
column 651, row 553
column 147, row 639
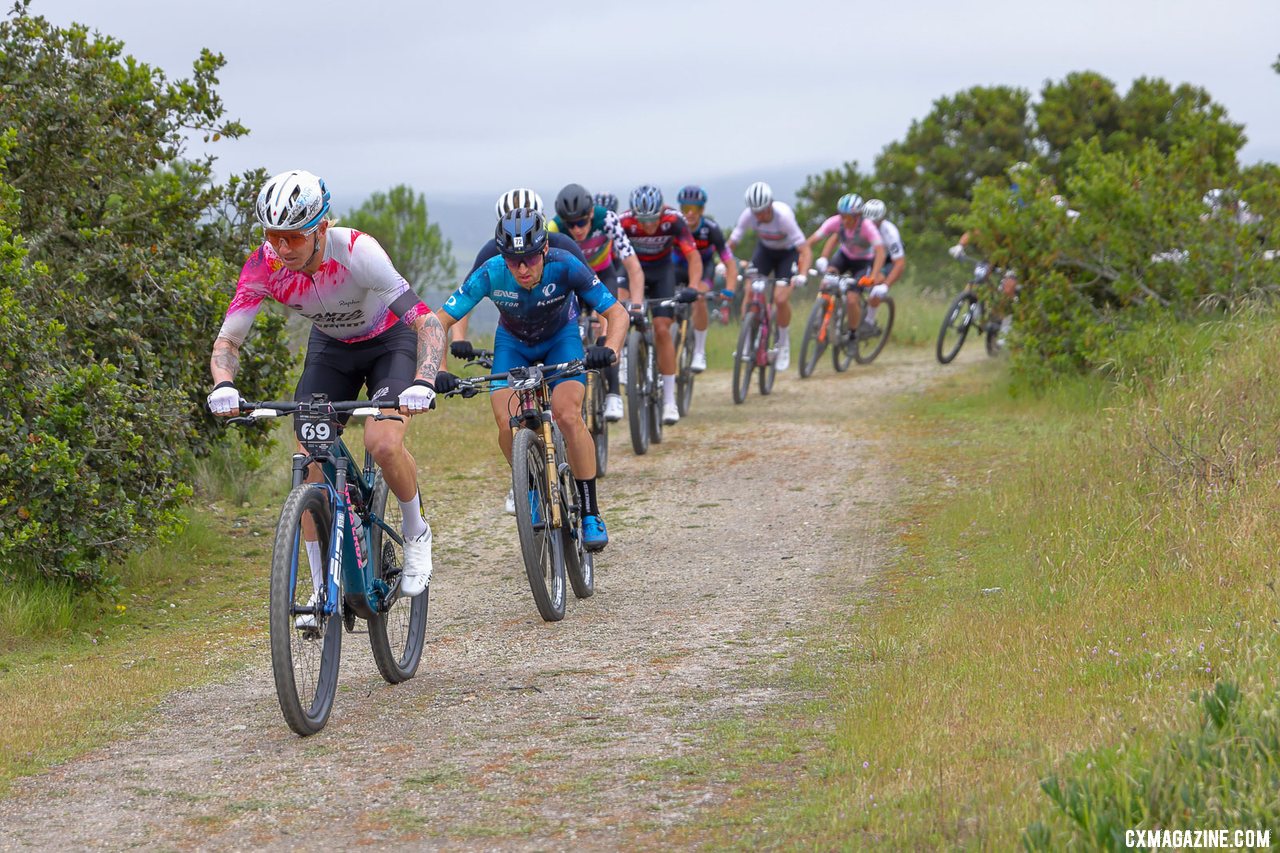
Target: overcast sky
column 457, row 98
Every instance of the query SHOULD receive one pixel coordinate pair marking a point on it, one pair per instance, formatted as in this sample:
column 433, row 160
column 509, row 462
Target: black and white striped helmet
column 292, row 201
column 759, row 196
column 520, row 197
column 874, row 209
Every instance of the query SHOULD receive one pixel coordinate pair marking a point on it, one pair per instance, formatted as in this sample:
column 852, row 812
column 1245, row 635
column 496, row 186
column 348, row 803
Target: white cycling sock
column 669, row 390
column 700, row 340
column 315, row 561
column 784, row 335
column 871, row 313
column 413, row 524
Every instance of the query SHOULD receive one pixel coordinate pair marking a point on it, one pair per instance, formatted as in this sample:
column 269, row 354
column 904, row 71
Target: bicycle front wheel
column 397, row 633
column 539, row 544
column 744, row 356
column 865, row 350
column 638, row 391
column 306, row 644
column 684, row 370
column 655, row 393
column 955, row 325
column 767, row 358
column 599, row 426
column 815, row 341
column 841, row 337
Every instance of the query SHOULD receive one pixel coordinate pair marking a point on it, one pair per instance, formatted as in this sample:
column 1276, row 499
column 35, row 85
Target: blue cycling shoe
column 594, row 536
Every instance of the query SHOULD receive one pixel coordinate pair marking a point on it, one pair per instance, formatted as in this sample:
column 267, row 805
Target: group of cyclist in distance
column 370, row 329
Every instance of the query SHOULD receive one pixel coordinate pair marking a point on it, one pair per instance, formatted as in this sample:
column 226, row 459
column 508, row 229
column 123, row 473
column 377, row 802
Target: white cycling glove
column 417, row 397
column 225, row 399
column 956, row 251
column 821, row 265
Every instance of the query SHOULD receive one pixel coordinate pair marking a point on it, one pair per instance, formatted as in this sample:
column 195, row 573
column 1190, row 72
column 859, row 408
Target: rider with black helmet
column 599, row 235
column 534, row 286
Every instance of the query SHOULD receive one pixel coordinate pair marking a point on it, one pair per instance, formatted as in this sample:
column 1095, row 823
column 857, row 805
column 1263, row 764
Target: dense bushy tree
column 127, row 259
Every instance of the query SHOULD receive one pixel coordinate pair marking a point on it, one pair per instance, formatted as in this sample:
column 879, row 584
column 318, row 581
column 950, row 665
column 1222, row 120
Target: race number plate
column 316, row 431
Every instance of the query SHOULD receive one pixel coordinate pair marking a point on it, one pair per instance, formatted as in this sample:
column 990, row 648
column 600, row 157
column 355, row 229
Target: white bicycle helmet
column 874, row 209
column 292, row 201
column 759, row 196
column 520, row 197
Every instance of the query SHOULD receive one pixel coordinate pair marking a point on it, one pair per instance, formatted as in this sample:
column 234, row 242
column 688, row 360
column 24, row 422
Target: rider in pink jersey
column 368, row 328
column 781, row 251
column 861, row 256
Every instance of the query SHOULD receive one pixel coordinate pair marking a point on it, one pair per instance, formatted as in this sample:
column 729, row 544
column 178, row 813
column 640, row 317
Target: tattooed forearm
column 225, row 361
column 430, row 346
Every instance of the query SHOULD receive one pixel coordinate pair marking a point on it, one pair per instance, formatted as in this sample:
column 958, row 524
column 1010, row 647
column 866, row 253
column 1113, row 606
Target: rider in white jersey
column 875, row 211
column 780, row 251
column 369, row 328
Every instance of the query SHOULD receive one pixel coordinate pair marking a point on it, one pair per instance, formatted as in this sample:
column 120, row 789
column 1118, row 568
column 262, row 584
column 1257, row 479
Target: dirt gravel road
column 733, row 541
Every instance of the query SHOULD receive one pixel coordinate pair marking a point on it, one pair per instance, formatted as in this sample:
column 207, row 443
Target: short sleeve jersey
column 356, row 293
column 672, row 235
column 537, row 314
column 708, row 238
column 858, row 244
column 605, row 239
column 780, row 232
column 892, row 241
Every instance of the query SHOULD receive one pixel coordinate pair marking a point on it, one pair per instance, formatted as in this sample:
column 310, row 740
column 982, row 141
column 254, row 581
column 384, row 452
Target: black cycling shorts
column 779, row 264
column 660, row 283
column 384, row 365
column 856, row 267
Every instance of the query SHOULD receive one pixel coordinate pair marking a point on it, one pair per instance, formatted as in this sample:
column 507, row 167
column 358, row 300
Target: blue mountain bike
column 338, row 555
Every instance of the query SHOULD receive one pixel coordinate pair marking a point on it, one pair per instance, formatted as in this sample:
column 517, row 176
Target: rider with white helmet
column 781, row 252
column 369, row 329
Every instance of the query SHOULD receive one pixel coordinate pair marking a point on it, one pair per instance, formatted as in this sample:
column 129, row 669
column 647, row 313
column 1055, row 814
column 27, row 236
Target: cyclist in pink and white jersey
column 861, row 255
column 895, row 261
column 368, row 328
column 780, row 247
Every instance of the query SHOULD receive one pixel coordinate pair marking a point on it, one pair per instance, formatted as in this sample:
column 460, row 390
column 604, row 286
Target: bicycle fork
column 552, row 470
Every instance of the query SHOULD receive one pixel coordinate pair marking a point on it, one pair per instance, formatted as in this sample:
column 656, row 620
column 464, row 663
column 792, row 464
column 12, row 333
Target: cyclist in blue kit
column 533, row 286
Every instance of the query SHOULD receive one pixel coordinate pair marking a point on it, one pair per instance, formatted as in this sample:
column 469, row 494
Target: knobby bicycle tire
column 815, row 342
column 397, row 633
column 304, row 661
column 638, row 392
column 540, row 547
column 655, row 394
column 600, row 428
column 684, row 370
column 957, row 320
column 744, row 355
column 841, row 346
column 768, row 371
column 865, row 350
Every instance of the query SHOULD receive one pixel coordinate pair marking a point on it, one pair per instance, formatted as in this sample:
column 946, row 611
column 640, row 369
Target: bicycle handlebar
column 253, row 411
column 549, row 372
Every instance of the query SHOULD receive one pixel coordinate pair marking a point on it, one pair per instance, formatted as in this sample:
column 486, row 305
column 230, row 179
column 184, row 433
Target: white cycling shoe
column 783, row 361
column 417, row 565
column 307, row 620
column 612, row 412
column 510, row 507
column 699, row 362
column 670, row 413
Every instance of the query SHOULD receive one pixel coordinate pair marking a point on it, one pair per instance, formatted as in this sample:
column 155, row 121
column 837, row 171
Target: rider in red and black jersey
column 656, row 233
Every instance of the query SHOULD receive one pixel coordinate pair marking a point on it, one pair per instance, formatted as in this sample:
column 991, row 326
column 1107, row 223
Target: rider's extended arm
column 618, row 323
column 635, row 277
column 224, row 363
column 878, row 264
column 431, row 337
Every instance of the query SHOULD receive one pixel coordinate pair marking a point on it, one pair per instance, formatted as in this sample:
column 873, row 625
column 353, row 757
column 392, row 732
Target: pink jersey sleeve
column 831, row 226
column 870, row 232
column 251, row 289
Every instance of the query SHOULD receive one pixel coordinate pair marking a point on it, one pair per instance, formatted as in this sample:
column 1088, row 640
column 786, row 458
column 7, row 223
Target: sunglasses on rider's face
column 691, row 209
column 291, row 239
column 579, row 223
column 515, row 262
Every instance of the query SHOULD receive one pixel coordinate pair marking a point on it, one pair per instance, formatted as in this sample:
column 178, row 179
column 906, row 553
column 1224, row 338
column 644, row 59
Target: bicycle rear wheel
column 955, row 325
column 304, row 659
column 397, row 633
column 684, row 369
column 865, row 350
column 815, row 341
column 638, row 391
column 768, row 350
column 744, row 356
column 539, row 546
column 579, row 563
